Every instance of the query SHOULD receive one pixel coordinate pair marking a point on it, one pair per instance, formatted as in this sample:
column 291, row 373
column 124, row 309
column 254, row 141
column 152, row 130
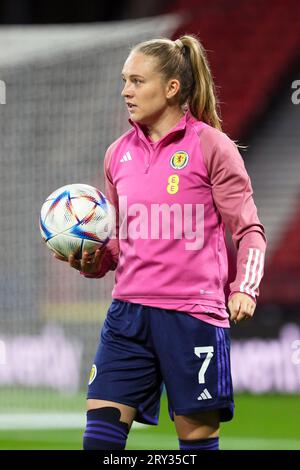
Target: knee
column 105, row 430
column 198, row 426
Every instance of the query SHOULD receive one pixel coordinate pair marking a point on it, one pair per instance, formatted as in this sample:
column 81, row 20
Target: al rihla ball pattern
column 76, row 218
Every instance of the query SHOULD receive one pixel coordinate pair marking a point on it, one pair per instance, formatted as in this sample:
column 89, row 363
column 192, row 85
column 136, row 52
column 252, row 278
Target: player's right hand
column 88, row 264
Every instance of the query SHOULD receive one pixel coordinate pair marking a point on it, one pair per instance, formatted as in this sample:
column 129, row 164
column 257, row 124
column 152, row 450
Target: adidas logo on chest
column 126, row 158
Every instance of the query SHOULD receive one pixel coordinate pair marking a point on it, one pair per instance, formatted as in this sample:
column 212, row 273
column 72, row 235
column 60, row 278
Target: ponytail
column 202, row 101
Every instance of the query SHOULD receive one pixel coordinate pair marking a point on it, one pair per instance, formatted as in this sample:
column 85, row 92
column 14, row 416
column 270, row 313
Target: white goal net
column 60, row 109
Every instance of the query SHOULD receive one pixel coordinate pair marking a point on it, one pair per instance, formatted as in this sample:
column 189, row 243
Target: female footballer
column 176, row 181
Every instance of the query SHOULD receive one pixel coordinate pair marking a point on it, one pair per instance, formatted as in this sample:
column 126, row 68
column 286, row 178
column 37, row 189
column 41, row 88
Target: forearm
column 250, row 263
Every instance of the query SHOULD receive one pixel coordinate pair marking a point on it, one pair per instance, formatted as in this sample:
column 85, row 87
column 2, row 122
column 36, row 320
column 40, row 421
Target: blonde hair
column 185, row 59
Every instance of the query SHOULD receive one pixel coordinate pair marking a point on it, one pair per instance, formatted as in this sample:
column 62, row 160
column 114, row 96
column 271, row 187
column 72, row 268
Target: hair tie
column 179, row 44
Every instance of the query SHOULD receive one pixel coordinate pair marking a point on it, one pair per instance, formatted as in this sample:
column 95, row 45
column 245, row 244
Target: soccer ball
column 76, row 218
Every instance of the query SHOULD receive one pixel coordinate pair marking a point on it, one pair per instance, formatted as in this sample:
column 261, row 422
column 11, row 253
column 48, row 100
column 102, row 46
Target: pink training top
column 173, row 199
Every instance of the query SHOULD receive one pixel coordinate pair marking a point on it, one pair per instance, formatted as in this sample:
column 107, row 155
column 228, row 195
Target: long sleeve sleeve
column 111, row 254
column 233, row 197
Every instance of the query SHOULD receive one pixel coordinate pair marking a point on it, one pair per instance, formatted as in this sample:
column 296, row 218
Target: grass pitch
column 265, row 422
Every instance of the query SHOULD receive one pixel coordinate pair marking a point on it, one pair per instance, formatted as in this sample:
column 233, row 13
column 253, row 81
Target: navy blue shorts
column 143, row 348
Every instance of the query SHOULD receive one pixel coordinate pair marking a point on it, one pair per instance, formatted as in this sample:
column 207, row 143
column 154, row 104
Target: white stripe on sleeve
column 247, row 274
column 254, row 273
column 259, row 274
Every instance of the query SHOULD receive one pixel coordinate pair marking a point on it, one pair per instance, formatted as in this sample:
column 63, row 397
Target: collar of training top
column 181, row 125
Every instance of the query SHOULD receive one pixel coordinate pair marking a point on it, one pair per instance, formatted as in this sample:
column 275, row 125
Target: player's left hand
column 241, row 307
